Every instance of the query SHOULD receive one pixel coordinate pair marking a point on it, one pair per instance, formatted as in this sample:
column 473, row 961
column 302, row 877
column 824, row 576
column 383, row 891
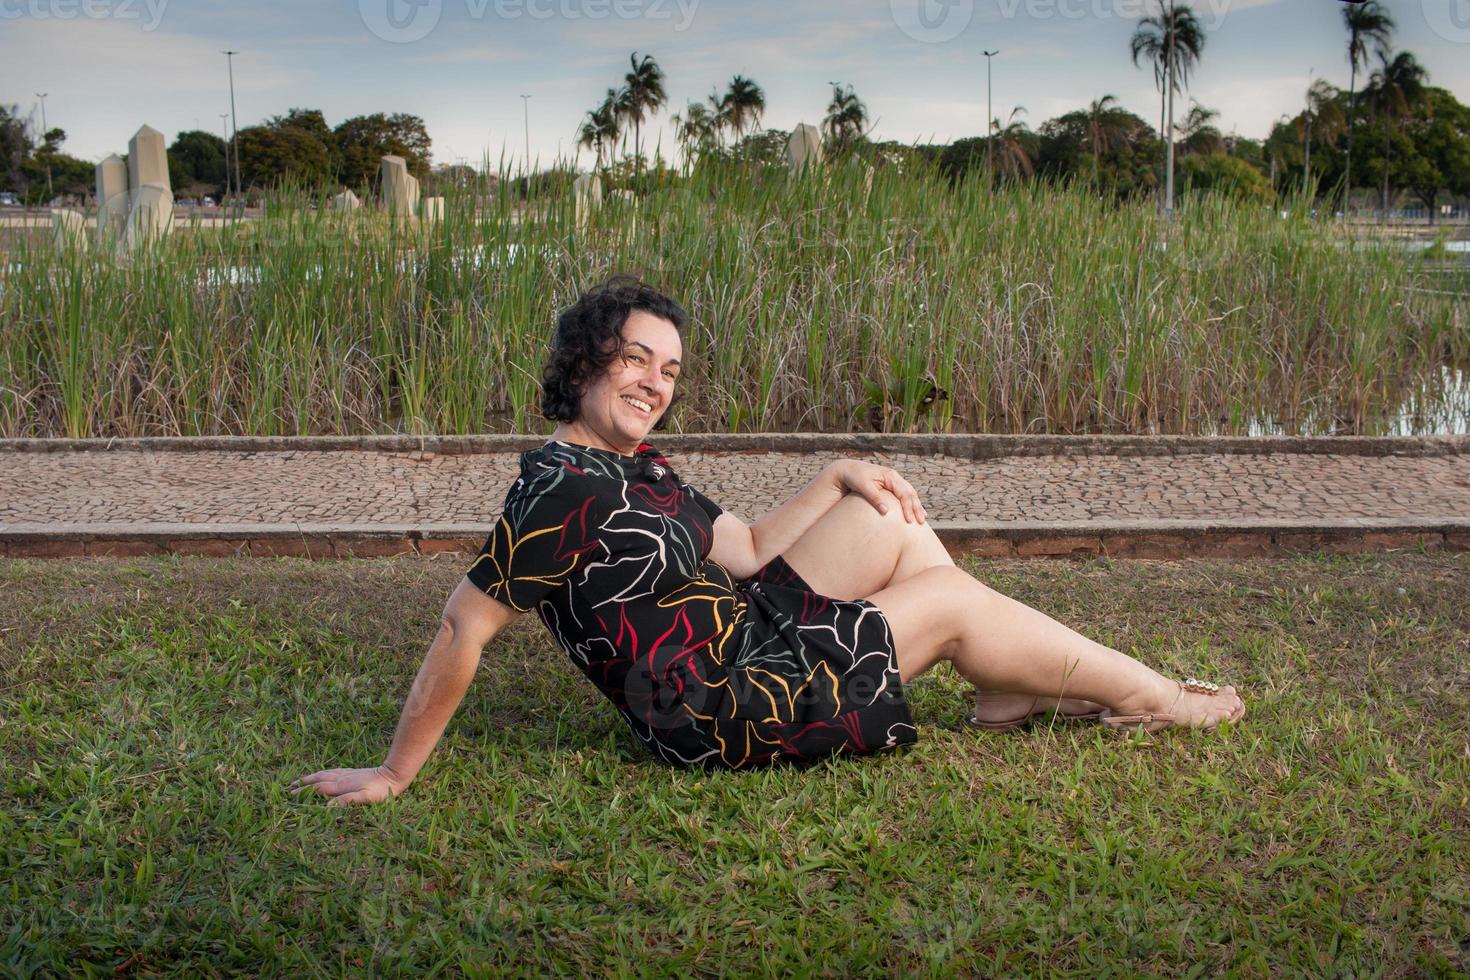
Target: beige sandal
column 1025, row 720
column 1157, row 721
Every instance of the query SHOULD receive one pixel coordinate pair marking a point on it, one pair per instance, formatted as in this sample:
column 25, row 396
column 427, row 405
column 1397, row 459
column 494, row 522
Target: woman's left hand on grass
column 347, row 787
column 876, row 483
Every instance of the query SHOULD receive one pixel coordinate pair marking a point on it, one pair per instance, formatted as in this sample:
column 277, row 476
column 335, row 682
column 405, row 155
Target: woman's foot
column 1197, row 704
column 998, row 710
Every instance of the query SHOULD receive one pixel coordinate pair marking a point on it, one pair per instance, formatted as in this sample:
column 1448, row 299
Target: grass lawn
column 153, row 710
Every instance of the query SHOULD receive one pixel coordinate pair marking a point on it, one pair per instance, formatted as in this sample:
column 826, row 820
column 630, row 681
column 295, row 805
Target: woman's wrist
column 397, row 781
column 835, row 471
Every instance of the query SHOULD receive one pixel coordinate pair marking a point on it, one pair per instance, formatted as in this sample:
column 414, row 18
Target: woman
column 733, row 645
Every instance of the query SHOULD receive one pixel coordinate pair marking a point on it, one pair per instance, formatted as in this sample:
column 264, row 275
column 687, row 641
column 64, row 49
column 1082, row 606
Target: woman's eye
column 671, row 376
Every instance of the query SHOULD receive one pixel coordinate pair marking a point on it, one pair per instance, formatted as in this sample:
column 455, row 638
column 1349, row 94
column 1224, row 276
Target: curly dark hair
column 589, row 335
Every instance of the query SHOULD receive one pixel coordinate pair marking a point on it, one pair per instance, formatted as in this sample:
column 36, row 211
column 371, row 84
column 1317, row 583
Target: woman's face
column 621, row 406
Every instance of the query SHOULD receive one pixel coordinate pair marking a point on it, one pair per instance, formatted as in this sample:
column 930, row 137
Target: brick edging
column 961, row 445
column 1056, row 541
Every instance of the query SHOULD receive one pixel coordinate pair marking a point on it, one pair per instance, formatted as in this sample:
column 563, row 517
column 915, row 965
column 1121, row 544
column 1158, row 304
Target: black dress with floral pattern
column 613, row 552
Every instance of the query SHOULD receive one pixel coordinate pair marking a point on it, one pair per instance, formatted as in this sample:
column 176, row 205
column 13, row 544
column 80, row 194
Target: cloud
column 1248, row 105
column 107, row 77
column 473, row 54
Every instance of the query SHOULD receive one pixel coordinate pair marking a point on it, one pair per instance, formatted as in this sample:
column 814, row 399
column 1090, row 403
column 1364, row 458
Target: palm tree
column 847, row 116
column 1173, row 42
column 1323, row 113
column 719, row 116
column 1200, row 135
column 1392, row 93
column 1284, row 137
column 1109, row 126
column 644, row 88
column 1015, row 146
column 1368, row 24
column 697, row 129
column 602, row 125
column 741, row 106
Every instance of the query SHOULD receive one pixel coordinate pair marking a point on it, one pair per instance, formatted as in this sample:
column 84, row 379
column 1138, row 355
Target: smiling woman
column 615, row 360
column 732, row 645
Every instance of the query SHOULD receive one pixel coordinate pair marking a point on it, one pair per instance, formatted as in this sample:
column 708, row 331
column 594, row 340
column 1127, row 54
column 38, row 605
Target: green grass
column 153, row 710
column 817, row 303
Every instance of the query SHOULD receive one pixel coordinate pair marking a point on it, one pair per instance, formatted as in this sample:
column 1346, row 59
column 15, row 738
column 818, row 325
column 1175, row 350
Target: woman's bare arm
column 773, row 533
column 743, row 550
column 471, row 619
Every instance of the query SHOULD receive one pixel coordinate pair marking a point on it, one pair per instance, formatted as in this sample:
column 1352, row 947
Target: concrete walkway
column 986, row 495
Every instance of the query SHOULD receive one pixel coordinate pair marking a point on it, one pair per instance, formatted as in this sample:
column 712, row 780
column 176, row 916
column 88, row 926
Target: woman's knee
column 889, row 522
column 930, row 614
column 952, row 593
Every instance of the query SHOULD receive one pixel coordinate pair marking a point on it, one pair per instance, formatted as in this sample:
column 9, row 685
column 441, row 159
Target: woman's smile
column 639, row 405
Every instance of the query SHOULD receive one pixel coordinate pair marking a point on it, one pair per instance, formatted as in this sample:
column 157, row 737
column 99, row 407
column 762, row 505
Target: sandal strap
column 1162, row 718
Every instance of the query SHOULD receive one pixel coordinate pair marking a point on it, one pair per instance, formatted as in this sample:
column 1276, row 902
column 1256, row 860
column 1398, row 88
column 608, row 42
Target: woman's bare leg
column 997, row 643
column 853, row 551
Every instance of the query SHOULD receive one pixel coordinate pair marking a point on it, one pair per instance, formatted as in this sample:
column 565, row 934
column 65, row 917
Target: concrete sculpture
column 804, row 146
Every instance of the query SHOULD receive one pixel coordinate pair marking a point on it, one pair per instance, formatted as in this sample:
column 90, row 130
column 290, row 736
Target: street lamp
column 42, row 97
column 989, row 110
column 234, row 125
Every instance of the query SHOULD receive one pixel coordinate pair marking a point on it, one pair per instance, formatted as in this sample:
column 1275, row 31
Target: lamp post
column 42, row 97
column 234, row 126
column 989, row 111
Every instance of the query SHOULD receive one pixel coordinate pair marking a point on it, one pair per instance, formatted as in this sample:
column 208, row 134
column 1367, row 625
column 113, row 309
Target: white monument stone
column 346, row 201
column 112, row 197
column 413, row 194
column 147, row 159
column 150, row 197
column 150, row 216
column 587, row 192
column 68, row 230
column 400, row 189
column 394, row 175
column 804, row 146
column 432, row 210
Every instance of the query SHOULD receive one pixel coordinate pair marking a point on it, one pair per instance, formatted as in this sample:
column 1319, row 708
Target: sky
column 110, row 66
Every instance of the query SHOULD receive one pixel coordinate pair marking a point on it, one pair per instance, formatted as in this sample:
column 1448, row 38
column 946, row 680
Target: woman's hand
column 349, row 786
column 870, row 480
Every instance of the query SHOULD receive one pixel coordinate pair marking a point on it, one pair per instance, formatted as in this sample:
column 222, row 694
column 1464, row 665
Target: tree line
column 1397, row 134
column 298, row 147
column 1415, row 137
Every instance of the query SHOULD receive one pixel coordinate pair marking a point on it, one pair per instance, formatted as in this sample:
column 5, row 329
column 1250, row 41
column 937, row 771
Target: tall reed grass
column 844, row 299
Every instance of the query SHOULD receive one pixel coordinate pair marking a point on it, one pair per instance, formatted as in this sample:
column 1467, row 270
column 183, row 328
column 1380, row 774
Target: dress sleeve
column 550, row 521
column 710, row 508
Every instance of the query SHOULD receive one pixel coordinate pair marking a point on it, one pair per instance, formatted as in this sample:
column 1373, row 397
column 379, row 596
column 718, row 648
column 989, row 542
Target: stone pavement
column 986, row 495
